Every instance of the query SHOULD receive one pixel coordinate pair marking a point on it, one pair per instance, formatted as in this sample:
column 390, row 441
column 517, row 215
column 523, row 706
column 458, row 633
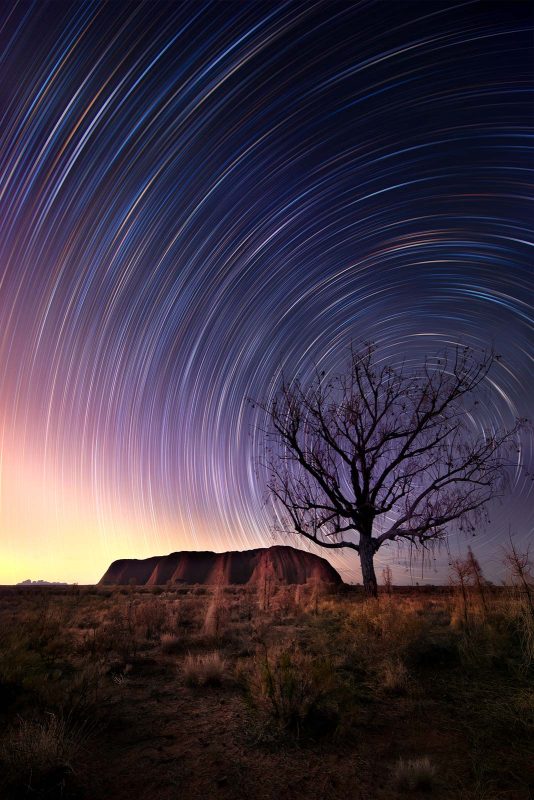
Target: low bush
column 296, row 693
column 171, row 643
column 417, row 774
column 39, row 757
column 205, row 669
column 394, row 676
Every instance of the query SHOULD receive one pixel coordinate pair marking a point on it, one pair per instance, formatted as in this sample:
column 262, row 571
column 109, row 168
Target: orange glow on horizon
column 49, row 532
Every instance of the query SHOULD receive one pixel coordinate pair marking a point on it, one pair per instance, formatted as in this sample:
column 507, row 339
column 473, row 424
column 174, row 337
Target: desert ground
column 269, row 692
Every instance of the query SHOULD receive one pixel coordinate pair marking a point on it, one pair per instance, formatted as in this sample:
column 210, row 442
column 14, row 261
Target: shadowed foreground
column 233, row 692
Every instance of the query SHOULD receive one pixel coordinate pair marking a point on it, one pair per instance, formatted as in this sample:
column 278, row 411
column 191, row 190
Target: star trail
column 198, row 197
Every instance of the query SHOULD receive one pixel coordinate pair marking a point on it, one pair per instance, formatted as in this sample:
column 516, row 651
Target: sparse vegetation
column 216, row 614
column 415, row 774
column 206, row 669
column 395, row 676
column 294, row 691
column 521, row 605
column 171, row 643
column 103, row 690
column 42, row 756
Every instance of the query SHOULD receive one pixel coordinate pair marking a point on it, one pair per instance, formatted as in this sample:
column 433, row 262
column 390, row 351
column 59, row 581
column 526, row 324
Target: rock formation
column 284, row 564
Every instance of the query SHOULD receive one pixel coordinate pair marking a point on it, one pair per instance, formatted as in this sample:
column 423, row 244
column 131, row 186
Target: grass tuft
column 41, row 755
column 206, row 669
column 416, row 774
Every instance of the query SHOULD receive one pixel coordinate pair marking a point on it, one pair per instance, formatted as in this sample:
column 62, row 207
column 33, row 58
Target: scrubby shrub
column 171, row 643
column 515, row 712
column 247, row 605
column 520, row 600
column 20, row 664
column 40, row 756
column 387, row 626
column 115, row 635
column 295, row 692
column 283, row 605
column 394, row 676
column 151, row 617
column 205, row 669
column 85, row 693
column 414, row 774
column 217, row 614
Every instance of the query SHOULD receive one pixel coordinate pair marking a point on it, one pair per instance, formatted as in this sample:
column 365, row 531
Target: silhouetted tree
column 382, row 454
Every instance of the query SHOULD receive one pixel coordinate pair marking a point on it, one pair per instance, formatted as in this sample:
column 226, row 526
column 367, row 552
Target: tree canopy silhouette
column 383, row 453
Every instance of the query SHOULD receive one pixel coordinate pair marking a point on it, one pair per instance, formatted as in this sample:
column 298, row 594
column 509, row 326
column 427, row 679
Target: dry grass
column 316, row 673
column 217, row 614
column 416, row 774
column 394, row 676
column 296, row 692
column 518, row 610
column 171, row 643
column 40, row 755
column 206, row 669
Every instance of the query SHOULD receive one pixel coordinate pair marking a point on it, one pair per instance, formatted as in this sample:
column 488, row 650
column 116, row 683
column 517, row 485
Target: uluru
column 284, row 564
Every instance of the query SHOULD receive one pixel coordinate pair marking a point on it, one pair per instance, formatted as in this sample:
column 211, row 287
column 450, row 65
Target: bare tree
column 381, row 454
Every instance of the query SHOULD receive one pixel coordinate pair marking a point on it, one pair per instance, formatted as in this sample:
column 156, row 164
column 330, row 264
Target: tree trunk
column 367, row 552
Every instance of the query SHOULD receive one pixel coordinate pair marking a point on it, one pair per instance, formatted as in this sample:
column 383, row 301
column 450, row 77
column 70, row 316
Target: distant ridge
column 42, row 583
column 285, row 564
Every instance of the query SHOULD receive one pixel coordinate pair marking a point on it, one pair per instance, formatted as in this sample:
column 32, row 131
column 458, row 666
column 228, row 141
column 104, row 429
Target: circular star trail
column 199, row 197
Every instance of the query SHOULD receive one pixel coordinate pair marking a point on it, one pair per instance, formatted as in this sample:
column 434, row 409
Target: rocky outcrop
column 285, row 565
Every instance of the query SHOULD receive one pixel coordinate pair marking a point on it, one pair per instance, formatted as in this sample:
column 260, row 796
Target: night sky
column 196, row 197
